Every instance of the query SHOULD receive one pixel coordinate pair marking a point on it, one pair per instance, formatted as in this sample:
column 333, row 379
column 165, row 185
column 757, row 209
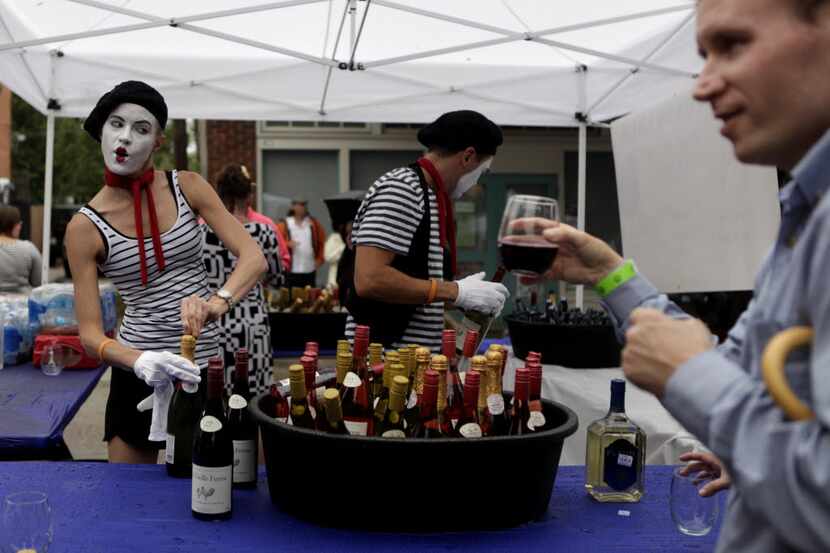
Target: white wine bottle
column 615, row 453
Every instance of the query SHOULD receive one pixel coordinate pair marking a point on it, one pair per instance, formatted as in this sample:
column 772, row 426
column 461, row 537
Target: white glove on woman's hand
column 159, row 402
column 159, row 367
column 478, row 294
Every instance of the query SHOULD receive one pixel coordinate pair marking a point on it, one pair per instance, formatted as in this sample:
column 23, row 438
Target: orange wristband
column 433, row 290
column 102, row 346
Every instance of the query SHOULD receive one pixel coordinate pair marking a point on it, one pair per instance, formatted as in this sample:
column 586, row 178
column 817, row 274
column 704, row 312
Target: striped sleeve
column 391, row 213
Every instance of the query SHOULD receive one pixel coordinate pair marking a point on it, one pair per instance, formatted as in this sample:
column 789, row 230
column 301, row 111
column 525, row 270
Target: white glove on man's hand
column 481, row 295
column 160, row 367
column 160, row 403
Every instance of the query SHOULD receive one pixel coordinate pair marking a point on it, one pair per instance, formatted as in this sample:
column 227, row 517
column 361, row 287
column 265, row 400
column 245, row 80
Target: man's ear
column 159, row 141
column 469, row 156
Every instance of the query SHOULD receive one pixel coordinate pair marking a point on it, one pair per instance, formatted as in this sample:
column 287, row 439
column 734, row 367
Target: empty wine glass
column 523, row 248
column 26, row 523
column 693, row 514
column 51, row 359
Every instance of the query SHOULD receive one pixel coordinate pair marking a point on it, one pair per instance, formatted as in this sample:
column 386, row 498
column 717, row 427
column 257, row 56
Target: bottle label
column 211, row 489
column 190, row 387
column 395, row 433
column 413, row 400
column 454, row 422
column 169, row 449
column 283, row 420
column 470, row 430
column 621, row 466
column 351, row 380
column 237, row 402
column 536, row 420
column 210, row 424
column 356, row 428
column 495, row 404
column 244, row 460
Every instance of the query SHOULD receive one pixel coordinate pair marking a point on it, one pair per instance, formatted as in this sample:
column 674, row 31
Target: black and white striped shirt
column 152, row 319
column 387, row 219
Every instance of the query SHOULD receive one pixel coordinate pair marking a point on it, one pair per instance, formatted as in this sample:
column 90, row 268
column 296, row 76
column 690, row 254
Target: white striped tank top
column 152, row 319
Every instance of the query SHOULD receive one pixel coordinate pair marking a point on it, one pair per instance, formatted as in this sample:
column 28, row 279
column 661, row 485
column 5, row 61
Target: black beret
column 343, row 207
column 457, row 130
column 128, row 92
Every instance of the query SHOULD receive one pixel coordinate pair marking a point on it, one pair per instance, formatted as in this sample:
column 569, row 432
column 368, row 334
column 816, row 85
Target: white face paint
column 128, row 138
column 470, row 179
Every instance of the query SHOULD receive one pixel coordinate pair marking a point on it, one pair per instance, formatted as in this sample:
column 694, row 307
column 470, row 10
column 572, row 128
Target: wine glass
column 523, row 249
column 26, row 523
column 693, row 514
column 51, row 359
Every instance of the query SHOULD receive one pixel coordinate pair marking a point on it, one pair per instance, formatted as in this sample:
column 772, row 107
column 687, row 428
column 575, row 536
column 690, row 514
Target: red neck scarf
column 136, row 185
column 446, row 216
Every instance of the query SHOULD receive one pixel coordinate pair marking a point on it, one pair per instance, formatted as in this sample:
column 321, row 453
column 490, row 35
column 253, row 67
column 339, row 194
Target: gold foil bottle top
column 343, row 365
column 440, row 362
column 375, row 354
column 483, row 387
column 397, row 396
column 188, row 347
column 413, row 358
column 395, row 370
column 334, row 411
column 403, row 355
column 296, row 377
column 343, row 346
column 493, row 358
column 422, row 355
column 478, row 362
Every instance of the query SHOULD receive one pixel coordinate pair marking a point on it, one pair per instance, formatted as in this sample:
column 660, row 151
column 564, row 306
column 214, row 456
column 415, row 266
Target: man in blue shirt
column 767, row 77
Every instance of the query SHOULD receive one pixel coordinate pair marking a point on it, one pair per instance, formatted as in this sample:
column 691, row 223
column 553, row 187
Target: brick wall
column 230, row 142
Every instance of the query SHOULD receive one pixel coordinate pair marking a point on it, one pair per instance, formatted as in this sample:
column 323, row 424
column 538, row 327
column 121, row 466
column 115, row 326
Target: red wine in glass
column 527, row 253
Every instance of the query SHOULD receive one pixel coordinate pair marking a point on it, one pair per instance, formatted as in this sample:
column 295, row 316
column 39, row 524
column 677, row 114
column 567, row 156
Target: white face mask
column 470, row 179
column 128, row 139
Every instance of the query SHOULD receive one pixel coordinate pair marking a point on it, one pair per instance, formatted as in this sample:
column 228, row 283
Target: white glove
column 477, row 294
column 160, row 403
column 158, row 369
column 155, row 368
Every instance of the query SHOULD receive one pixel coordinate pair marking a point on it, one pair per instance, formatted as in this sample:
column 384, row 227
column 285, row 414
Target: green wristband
column 616, row 278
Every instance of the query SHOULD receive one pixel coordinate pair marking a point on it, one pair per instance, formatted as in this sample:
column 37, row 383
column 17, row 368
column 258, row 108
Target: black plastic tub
column 578, row 347
column 413, row 485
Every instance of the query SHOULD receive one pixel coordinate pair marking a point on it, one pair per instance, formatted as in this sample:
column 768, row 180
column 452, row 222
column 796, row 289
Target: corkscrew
column 772, row 369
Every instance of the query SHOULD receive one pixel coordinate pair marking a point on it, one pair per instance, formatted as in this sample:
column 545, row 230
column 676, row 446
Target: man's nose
column 708, row 85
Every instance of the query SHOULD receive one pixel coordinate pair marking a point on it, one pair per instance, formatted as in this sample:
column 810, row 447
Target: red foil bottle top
column 431, row 378
column 473, row 379
column 470, row 340
column 449, row 334
column 522, row 375
column 522, row 384
column 307, row 362
column 242, row 355
column 312, row 346
column 378, row 369
column 448, row 349
column 361, row 331
column 533, row 355
column 215, row 377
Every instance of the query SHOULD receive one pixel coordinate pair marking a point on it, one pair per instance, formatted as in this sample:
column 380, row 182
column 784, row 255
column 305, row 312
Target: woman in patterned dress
column 246, row 325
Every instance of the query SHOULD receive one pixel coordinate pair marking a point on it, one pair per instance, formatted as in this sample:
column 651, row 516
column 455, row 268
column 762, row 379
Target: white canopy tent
column 520, row 62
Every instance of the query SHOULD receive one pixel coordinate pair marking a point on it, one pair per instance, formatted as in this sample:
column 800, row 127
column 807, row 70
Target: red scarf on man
column 446, row 215
column 136, row 185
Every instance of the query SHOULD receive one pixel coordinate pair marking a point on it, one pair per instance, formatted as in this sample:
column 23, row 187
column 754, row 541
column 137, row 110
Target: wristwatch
column 227, row 296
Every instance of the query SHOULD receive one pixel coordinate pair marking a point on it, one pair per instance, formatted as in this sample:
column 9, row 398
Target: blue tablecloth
column 99, row 508
column 35, row 409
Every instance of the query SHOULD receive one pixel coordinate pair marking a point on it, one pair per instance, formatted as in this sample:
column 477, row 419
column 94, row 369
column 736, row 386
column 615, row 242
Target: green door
column 478, row 216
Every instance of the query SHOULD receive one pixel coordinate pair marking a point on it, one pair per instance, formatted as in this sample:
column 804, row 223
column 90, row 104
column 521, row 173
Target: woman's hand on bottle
column 582, row 258
column 197, row 311
column 706, row 466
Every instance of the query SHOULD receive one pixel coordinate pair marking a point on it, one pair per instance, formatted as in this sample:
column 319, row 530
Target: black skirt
column 122, row 419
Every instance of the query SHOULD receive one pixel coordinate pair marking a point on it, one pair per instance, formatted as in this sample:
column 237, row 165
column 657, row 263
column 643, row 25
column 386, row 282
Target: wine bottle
column 499, row 419
column 467, row 352
column 242, row 427
column 455, row 392
column 182, row 418
column 615, row 453
column 521, row 410
column 357, row 411
column 375, row 354
column 310, row 376
column 393, row 422
column 343, row 366
column 334, row 413
column 300, row 413
column 477, row 321
column 503, row 351
column 416, row 385
column 212, row 453
column 313, row 346
column 537, row 417
column 343, row 346
column 479, row 365
column 427, row 425
column 468, row 425
column 439, row 365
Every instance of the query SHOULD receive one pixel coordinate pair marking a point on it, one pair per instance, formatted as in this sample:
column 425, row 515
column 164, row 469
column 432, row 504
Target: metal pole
column 580, row 194
column 47, row 195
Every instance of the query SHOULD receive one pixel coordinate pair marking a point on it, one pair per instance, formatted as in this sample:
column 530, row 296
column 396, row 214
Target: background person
column 404, row 237
column 342, row 211
column 20, row 261
column 246, row 325
column 160, row 275
column 778, row 468
column 305, row 237
column 256, row 217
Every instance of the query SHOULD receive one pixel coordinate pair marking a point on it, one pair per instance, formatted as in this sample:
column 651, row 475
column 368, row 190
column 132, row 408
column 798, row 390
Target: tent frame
column 582, row 118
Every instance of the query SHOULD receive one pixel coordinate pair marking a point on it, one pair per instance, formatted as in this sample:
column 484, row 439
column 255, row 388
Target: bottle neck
column 428, row 403
column 617, row 401
column 521, row 390
column 240, row 381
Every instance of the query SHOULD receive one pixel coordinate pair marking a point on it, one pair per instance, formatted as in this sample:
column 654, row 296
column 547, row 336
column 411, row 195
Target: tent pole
column 580, row 194
column 47, row 195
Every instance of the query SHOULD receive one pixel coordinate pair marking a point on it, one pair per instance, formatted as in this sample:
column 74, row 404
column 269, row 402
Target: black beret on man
column 128, row 92
column 457, row 130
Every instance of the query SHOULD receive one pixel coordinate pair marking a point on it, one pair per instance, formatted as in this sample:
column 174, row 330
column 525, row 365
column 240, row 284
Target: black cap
column 343, row 207
column 457, row 130
column 128, row 92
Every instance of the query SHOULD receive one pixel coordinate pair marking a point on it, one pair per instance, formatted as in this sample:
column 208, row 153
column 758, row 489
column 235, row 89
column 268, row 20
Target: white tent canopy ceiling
column 520, row 62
